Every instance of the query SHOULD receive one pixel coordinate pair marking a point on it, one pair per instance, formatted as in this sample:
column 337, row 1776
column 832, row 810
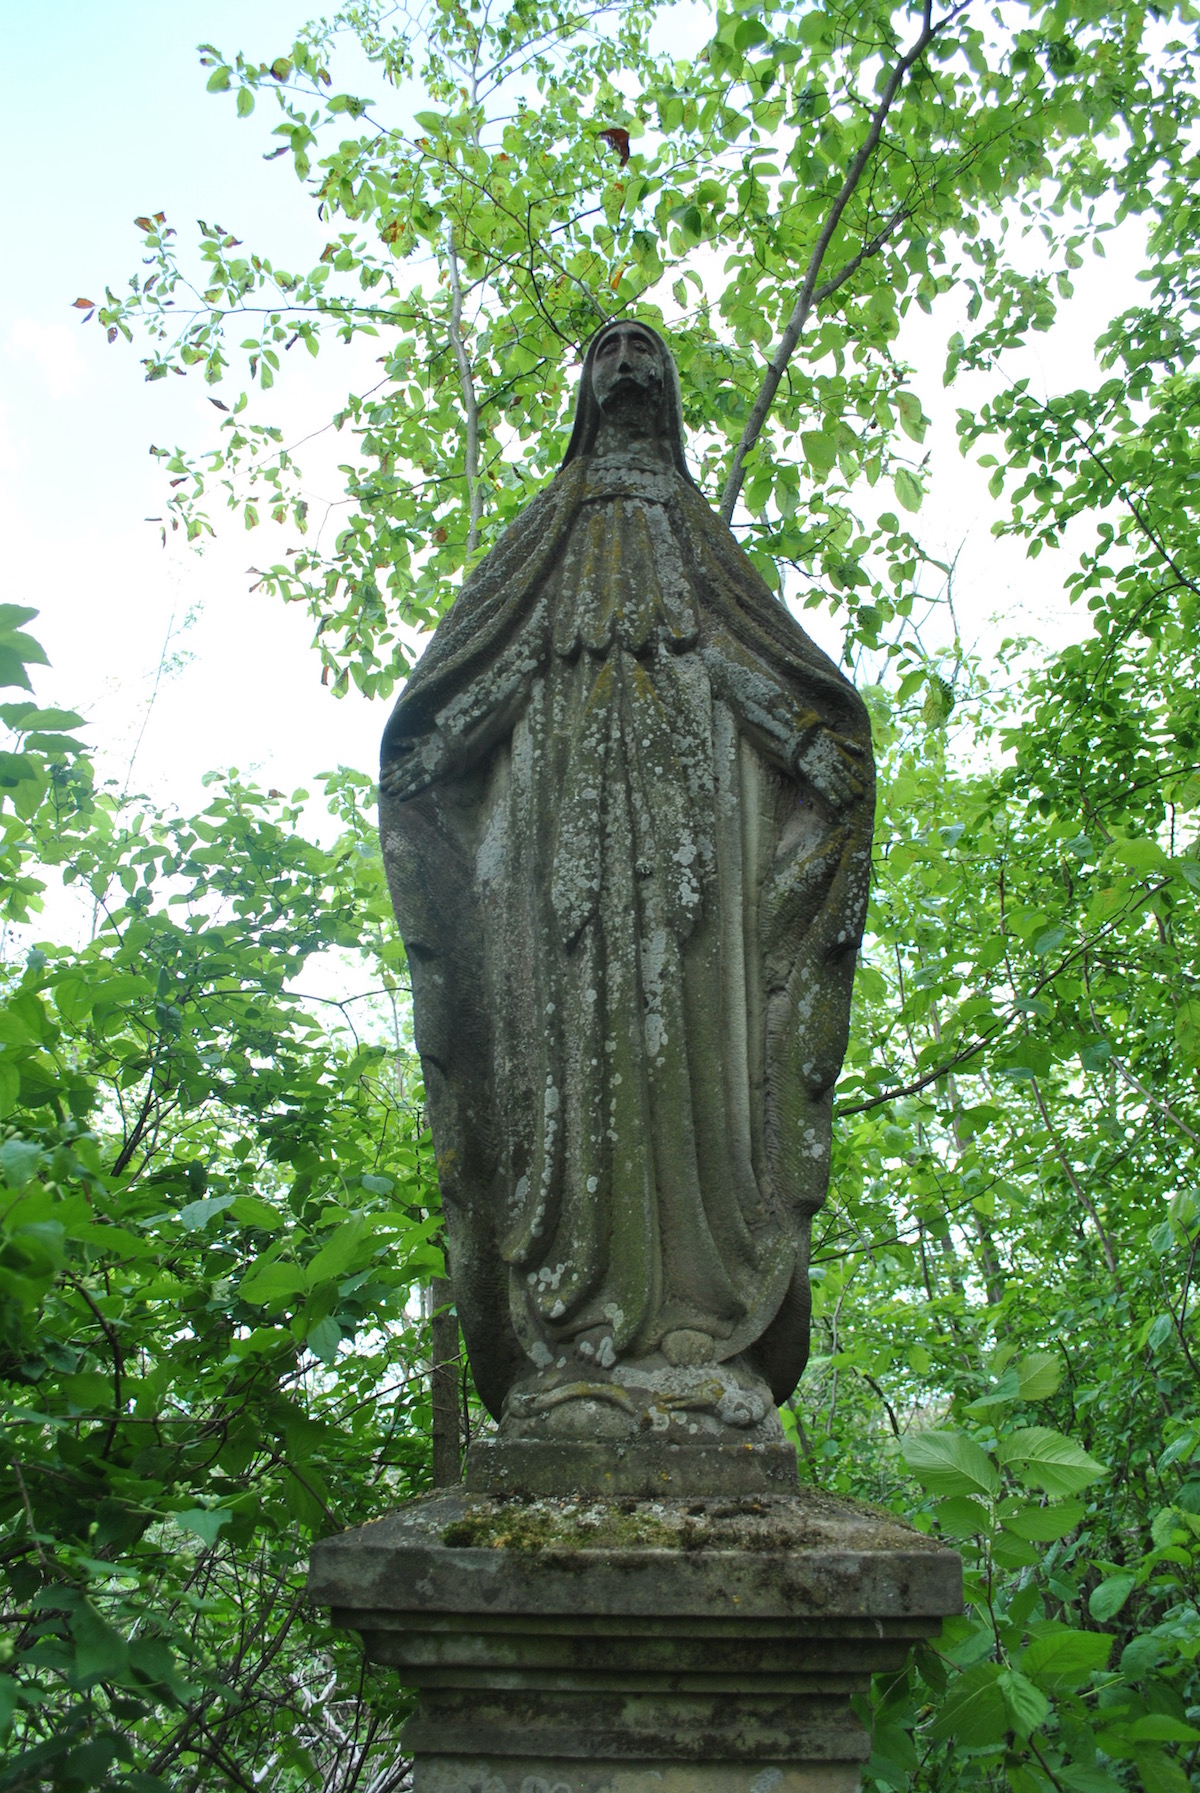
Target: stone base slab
column 511, row 1774
column 601, row 1645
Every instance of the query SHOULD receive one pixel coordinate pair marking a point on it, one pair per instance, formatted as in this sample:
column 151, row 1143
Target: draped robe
column 631, row 921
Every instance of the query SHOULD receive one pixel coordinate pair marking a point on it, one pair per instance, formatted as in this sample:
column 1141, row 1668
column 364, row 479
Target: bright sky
column 107, row 117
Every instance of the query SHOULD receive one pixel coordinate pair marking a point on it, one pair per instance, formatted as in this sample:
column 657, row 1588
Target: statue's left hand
column 833, row 765
column 415, row 765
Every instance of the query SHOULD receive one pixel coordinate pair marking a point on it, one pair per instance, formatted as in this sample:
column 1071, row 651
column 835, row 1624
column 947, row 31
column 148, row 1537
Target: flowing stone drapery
column 626, row 809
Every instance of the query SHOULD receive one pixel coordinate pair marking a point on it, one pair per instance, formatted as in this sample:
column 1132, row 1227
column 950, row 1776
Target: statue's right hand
column 832, row 763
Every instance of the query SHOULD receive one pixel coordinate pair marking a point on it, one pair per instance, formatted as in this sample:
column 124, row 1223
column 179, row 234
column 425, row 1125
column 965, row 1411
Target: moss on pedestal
column 570, row 1523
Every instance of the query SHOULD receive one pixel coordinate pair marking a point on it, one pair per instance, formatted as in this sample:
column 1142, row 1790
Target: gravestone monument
column 626, row 810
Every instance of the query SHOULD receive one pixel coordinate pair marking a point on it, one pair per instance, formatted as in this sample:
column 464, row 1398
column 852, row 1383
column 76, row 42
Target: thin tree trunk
column 446, row 1385
column 470, row 401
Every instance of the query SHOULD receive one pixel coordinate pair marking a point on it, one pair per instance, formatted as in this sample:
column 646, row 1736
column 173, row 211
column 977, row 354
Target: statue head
column 629, row 377
column 627, row 374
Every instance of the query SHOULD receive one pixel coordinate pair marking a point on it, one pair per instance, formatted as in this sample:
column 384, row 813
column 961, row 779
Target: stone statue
column 626, row 810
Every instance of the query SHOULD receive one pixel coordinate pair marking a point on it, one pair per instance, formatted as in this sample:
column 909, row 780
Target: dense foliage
column 205, row 1192
column 217, row 1210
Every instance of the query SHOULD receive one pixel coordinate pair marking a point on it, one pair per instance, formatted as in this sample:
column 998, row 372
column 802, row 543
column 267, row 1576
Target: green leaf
column 152, row 1660
column 1039, row 1375
column 73, row 998
column 218, row 81
column 893, row 1755
column 1011, row 1552
column 31, row 651
column 89, row 1390
column 1062, row 1660
column 1105, row 1601
column 1159, row 1773
column 1142, row 855
column 9, row 1698
column 749, row 34
column 1044, row 1524
column 12, row 669
column 1160, row 1727
column 820, row 450
column 907, row 489
column 245, row 102
column 250, row 1210
column 101, row 1653
column 949, row 1463
column 1027, row 1705
column 1006, row 1390
column 962, row 1518
column 1088, row 1780
column 323, row 1340
column 116, row 991
column 20, row 1160
column 974, row 1711
column 912, row 419
column 1141, row 1656
column 351, row 1243
column 14, row 616
column 272, row 1282
column 1046, row 1459
column 204, row 1522
column 376, row 1185
column 198, row 1214
column 17, row 769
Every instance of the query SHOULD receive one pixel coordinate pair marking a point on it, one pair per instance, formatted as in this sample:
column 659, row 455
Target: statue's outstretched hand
column 833, row 765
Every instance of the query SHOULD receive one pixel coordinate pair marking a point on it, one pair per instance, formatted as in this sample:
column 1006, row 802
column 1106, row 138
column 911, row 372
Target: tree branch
column 872, row 247
column 808, row 295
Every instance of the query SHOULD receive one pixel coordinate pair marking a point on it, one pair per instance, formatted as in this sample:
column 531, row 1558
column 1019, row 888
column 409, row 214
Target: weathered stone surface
column 646, row 1468
column 626, row 809
column 593, row 1644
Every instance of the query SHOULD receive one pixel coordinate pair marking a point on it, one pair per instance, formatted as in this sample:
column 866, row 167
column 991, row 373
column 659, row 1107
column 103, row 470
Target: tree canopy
column 218, row 1211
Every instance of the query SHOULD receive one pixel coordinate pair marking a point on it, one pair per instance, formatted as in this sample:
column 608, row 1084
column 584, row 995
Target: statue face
column 627, row 374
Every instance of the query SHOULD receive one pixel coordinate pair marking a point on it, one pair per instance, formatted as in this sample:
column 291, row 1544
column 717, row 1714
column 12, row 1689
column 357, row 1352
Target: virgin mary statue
column 626, row 812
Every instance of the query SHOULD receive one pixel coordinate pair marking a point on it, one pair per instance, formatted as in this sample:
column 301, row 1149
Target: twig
column 118, row 1355
column 34, row 1535
column 1076, row 1185
column 889, row 1409
column 989, row 1033
column 1128, row 1077
column 470, row 401
column 1177, row 1320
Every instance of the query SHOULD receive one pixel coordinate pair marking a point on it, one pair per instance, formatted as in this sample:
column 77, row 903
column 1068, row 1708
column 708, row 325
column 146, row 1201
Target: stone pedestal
column 620, row 1645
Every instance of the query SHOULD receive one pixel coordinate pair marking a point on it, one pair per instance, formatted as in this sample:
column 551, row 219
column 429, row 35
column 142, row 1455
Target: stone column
column 599, row 1644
